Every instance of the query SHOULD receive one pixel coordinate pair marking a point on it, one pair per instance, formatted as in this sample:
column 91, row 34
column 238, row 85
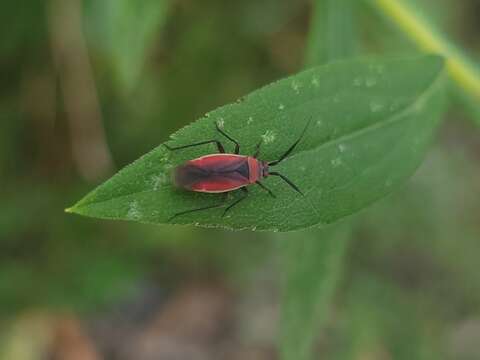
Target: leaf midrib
column 379, row 124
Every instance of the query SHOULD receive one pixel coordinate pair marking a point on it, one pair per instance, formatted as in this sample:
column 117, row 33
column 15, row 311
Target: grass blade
column 312, row 265
column 332, row 34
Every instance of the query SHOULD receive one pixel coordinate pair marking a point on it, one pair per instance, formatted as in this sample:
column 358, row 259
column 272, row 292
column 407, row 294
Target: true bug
column 225, row 172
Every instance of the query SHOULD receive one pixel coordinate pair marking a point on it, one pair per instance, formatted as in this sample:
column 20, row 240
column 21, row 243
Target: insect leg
column 257, row 149
column 199, row 209
column 266, row 189
column 290, row 149
column 245, row 195
column 220, row 147
column 237, row 145
column 289, row 182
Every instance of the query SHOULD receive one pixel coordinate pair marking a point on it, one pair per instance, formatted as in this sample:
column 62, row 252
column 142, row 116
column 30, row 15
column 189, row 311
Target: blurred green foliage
column 124, row 31
column 410, row 282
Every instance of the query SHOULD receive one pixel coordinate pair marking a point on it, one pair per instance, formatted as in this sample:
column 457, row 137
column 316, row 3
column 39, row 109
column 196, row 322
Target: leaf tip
column 72, row 210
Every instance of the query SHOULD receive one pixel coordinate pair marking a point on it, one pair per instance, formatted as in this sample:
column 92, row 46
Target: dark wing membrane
column 191, row 176
column 187, row 175
column 223, row 164
column 240, row 167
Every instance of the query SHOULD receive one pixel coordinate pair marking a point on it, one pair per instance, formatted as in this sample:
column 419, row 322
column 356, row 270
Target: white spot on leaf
column 157, row 181
column 134, row 212
column 250, row 120
column 268, row 137
column 376, row 106
column 315, row 82
column 336, row 162
column 221, row 123
column 296, row 86
column 281, row 107
column 370, row 82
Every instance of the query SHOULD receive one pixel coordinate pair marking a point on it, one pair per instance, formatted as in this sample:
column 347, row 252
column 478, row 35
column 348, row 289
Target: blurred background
column 89, row 86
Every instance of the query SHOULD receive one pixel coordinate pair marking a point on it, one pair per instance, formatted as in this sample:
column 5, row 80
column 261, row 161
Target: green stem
column 313, row 260
column 313, row 263
column 331, row 35
column 421, row 33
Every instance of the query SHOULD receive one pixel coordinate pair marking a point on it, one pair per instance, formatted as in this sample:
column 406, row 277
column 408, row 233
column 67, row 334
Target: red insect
column 224, row 172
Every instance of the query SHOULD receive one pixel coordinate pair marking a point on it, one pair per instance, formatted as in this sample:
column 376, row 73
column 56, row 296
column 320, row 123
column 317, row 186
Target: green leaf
column 312, row 264
column 332, row 34
column 371, row 123
column 127, row 30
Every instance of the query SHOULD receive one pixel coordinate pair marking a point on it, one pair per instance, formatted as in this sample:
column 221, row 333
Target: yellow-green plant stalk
column 461, row 70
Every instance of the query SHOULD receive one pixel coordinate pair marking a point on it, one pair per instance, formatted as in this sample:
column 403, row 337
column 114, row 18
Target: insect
column 224, row 172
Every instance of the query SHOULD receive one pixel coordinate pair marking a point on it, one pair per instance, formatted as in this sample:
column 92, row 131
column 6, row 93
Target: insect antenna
column 290, row 149
column 289, row 182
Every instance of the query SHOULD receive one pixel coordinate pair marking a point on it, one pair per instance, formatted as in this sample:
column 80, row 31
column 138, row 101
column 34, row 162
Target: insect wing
column 213, row 173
